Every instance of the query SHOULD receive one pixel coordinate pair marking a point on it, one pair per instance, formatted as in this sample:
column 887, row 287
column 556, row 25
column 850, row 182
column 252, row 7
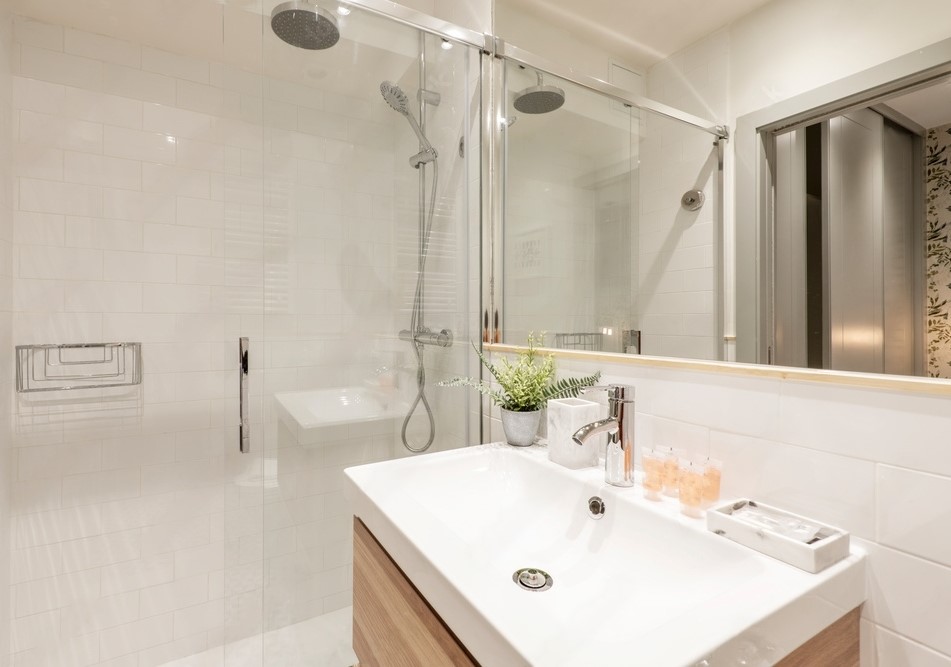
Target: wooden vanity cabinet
column 836, row 646
column 394, row 626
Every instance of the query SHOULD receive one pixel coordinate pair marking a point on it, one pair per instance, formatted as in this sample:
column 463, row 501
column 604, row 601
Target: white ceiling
column 929, row 107
column 641, row 32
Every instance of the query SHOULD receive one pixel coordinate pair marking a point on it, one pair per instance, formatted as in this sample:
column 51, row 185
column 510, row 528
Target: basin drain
column 532, row 579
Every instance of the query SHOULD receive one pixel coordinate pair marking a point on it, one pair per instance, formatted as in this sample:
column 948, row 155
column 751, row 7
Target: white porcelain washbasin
column 643, row 585
column 318, row 408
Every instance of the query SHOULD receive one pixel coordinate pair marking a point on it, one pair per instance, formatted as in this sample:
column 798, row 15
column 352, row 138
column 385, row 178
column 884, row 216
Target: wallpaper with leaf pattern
column 938, row 237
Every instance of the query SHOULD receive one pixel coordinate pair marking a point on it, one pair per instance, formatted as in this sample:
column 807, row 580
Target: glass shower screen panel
column 370, row 251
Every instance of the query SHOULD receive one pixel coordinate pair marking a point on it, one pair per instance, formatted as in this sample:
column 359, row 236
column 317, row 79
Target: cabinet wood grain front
column 836, row 646
column 393, row 626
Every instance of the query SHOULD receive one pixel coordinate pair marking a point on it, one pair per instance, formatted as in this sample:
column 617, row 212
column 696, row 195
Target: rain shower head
column 539, row 98
column 305, row 25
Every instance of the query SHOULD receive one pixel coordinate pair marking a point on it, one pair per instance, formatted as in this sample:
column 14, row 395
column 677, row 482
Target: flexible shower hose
column 416, row 321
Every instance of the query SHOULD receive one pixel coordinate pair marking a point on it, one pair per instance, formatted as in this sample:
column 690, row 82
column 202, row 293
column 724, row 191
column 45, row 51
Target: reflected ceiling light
column 343, row 11
column 446, row 45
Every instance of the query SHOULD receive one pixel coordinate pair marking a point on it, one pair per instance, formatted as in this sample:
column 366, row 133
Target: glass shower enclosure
column 189, row 177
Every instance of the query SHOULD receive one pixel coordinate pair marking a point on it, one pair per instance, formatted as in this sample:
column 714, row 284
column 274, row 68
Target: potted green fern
column 524, row 387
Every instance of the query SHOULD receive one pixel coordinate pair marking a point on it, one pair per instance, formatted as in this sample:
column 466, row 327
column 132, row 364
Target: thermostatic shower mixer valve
column 426, row 336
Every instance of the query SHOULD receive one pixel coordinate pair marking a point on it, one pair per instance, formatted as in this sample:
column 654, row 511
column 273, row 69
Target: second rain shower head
column 539, row 98
column 305, row 25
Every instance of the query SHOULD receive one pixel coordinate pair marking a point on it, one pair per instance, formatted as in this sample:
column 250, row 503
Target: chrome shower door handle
column 244, row 427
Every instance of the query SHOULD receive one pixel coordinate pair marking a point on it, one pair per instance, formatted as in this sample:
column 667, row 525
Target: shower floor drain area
column 532, row 579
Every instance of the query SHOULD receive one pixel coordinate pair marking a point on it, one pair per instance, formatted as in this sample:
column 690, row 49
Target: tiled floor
column 322, row 641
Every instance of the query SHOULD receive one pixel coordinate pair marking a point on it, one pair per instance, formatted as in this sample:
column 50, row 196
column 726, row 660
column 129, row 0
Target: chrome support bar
column 426, row 337
column 496, row 46
column 529, row 59
column 420, row 21
column 244, row 427
column 725, row 303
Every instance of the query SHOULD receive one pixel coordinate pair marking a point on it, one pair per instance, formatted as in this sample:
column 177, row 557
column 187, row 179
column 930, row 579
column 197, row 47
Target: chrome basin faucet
column 619, row 455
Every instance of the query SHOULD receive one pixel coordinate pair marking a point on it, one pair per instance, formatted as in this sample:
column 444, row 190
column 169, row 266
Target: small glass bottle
column 671, row 471
column 712, row 470
column 691, row 487
column 653, row 462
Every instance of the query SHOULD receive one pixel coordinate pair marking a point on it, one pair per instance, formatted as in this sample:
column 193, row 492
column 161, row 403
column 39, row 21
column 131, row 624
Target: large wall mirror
column 846, row 214
column 832, row 252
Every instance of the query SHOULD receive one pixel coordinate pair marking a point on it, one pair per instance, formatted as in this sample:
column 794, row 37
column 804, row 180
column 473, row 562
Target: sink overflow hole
column 532, row 579
column 596, row 507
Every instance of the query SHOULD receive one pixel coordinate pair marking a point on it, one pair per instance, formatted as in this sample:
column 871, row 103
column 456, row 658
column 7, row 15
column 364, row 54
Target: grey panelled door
column 789, row 263
column 872, row 245
column 853, row 228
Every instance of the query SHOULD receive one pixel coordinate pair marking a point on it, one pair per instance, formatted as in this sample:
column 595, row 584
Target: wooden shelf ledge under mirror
column 898, row 383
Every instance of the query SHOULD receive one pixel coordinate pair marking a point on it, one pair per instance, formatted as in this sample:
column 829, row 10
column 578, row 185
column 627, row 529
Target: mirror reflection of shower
column 539, row 98
column 418, row 333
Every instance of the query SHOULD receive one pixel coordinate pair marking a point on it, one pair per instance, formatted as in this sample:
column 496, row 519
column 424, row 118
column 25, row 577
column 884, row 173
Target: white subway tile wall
column 182, row 202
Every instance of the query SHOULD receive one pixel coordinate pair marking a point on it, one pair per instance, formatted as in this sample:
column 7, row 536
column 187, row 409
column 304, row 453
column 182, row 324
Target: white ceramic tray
column 829, row 544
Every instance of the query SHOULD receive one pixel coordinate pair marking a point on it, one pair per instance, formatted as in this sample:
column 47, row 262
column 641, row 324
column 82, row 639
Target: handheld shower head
column 395, row 97
column 398, row 101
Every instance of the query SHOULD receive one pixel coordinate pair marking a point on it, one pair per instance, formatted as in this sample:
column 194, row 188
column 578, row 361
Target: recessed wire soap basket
column 78, row 366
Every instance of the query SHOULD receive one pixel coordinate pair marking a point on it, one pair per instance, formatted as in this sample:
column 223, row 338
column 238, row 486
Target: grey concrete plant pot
column 520, row 427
